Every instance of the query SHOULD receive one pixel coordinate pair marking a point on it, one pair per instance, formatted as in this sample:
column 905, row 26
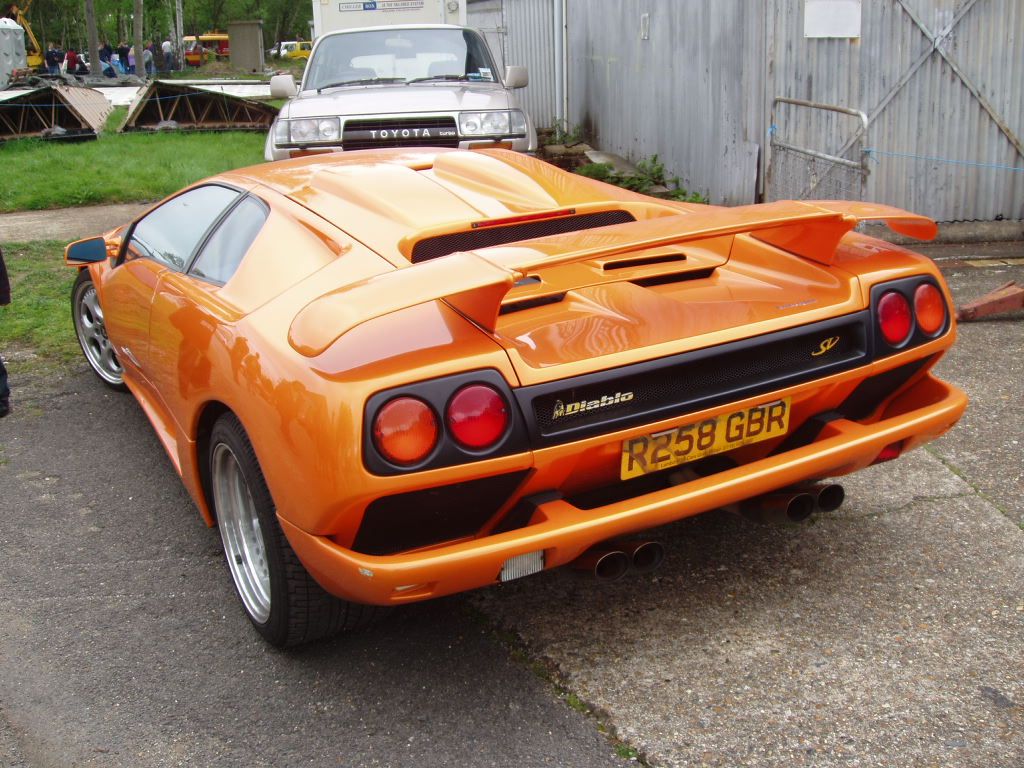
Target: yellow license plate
column 649, row 453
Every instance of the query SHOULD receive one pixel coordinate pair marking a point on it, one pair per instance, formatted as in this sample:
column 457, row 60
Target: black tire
column 91, row 331
column 287, row 607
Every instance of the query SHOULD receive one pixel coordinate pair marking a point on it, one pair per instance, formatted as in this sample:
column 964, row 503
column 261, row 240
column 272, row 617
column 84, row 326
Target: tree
column 95, row 65
column 140, row 66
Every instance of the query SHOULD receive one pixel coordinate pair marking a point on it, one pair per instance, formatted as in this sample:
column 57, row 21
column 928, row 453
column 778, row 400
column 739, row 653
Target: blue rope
column 871, row 151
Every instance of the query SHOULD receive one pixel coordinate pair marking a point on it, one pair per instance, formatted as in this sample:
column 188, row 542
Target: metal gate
column 804, row 173
column 939, row 83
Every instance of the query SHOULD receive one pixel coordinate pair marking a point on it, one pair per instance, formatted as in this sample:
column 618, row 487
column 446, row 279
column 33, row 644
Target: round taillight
column 929, row 308
column 894, row 318
column 405, row 430
column 477, row 416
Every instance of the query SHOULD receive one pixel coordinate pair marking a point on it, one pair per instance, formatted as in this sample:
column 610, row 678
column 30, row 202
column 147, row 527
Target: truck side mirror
column 515, row 77
column 282, row 87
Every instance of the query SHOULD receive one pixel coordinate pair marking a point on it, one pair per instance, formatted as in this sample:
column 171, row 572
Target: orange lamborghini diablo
column 392, row 375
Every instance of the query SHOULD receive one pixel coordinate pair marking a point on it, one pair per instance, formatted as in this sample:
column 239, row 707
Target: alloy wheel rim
column 92, row 333
column 241, row 533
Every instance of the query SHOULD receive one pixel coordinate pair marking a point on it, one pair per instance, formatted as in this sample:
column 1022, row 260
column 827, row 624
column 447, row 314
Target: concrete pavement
column 887, row 634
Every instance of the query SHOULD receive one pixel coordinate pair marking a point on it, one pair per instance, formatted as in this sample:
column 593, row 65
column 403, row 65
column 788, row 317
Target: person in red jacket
column 5, row 298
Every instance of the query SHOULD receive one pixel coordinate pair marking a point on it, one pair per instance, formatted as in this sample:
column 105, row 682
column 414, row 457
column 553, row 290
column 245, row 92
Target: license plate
column 649, row 453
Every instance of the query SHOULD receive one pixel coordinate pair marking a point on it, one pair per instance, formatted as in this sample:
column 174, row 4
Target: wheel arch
column 208, row 415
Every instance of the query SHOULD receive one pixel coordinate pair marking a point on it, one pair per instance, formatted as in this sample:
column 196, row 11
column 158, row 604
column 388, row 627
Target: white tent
column 12, row 49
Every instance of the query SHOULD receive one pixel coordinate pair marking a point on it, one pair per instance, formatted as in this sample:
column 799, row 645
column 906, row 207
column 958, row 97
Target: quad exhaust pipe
column 793, row 506
column 611, row 560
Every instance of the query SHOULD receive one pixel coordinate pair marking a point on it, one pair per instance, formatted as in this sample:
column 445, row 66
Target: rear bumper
column 920, row 414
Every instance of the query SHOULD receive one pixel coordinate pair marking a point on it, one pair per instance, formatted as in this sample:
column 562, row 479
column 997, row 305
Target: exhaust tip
column 611, row 566
column 648, row 556
column 830, row 497
column 800, row 507
column 603, row 564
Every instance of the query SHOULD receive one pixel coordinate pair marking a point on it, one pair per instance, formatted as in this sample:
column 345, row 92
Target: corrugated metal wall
column 521, row 32
column 486, row 16
column 692, row 92
column 694, row 81
column 937, row 149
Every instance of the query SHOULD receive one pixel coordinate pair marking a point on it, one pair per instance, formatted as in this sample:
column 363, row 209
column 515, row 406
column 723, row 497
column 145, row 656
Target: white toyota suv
column 400, row 86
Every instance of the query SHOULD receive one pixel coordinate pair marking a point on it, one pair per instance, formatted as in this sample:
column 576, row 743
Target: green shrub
column 650, row 173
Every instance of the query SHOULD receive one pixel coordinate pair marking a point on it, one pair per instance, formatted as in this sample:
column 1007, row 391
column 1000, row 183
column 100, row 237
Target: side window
column 171, row 233
column 223, row 252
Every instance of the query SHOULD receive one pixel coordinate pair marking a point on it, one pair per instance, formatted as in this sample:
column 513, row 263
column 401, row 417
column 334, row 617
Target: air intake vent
column 644, row 261
column 442, row 245
column 673, row 277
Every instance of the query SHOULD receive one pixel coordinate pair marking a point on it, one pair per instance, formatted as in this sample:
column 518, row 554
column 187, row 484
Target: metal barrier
column 802, row 173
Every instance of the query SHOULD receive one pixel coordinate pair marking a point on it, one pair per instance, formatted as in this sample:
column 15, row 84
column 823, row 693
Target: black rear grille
column 569, row 410
column 434, row 515
column 442, row 245
column 402, row 132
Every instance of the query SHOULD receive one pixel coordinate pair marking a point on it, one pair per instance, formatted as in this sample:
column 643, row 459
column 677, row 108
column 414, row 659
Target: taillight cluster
column 909, row 311
column 439, row 423
column 405, row 430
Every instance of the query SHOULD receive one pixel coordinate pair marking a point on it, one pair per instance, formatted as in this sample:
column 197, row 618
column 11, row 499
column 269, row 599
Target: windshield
column 400, row 56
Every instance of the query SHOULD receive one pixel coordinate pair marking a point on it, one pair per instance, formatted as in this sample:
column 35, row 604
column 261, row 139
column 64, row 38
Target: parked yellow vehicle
column 33, row 51
column 292, row 49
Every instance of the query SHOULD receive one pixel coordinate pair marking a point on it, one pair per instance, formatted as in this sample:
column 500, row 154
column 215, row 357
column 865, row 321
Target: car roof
column 385, row 197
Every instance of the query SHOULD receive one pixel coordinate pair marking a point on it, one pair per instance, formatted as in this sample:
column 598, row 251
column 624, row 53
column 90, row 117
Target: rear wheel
column 281, row 599
column 92, row 332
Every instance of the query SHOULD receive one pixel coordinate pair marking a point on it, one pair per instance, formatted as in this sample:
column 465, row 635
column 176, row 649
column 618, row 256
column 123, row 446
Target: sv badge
column 826, row 346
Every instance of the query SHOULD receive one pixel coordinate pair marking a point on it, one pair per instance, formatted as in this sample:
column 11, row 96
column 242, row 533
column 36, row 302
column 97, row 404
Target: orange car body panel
column 327, row 310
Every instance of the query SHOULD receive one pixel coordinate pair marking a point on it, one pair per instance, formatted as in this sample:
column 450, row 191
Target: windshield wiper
column 439, row 77
column 364, row 81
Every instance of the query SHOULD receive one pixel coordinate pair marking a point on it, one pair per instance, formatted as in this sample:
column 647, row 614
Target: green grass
column 117, row 168
column 39, row 315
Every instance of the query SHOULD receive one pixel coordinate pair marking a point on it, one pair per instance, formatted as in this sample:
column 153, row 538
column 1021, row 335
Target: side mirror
column 88, row 251
column 282, row 87
column 515, row 77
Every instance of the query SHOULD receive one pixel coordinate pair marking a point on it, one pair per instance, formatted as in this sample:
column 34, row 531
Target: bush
column 650, row 174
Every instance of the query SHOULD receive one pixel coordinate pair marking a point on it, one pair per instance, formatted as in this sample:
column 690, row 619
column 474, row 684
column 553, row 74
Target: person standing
column 71, row 60
column 52, row 58
column 5, row 298
column 168, row 56
column 122, row 57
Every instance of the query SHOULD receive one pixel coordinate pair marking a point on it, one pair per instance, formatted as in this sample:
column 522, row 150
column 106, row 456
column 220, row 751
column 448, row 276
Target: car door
column 187, row 312
column 160, row 243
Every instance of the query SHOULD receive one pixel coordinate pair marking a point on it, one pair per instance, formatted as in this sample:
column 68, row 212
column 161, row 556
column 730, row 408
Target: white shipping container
column 332, row 15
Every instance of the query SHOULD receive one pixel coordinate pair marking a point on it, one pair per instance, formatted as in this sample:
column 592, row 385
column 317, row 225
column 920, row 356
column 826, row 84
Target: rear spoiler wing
column 476, row 282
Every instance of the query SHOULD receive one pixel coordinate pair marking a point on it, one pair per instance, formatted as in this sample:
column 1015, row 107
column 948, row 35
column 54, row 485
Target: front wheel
column 91, row 330
column 281, row 599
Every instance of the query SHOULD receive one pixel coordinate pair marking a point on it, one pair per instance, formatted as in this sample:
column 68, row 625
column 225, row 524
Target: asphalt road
column 886, row 634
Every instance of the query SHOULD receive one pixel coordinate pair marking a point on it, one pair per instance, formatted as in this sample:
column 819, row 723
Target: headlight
column 281, row 132
column 307, row 130
column 483, row 123
column 518, row 121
